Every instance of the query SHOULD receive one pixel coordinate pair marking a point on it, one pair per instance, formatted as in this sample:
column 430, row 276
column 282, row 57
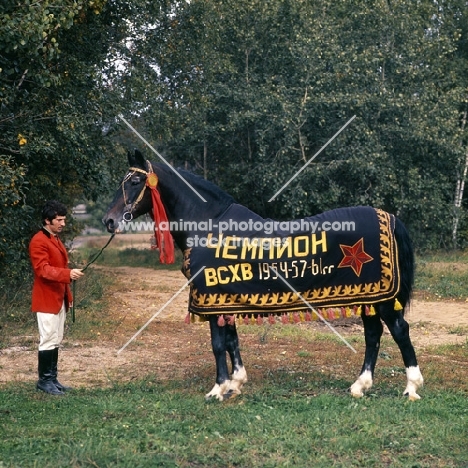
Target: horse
column 150, row 187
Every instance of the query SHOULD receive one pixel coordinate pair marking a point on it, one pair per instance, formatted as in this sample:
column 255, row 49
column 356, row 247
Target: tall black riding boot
column 46, row 373
column 60, row 386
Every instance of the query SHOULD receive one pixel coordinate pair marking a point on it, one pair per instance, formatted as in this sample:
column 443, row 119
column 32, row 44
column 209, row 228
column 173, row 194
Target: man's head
column 53, row 216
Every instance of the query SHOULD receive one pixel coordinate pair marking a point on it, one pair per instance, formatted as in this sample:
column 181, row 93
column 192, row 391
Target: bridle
column 163, row 237
column 151, row 180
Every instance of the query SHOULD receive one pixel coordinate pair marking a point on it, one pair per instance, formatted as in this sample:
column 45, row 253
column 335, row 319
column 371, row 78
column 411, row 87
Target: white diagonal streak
column 160, row 310
column 313, row 310
column 312, row 158
column 134, row 130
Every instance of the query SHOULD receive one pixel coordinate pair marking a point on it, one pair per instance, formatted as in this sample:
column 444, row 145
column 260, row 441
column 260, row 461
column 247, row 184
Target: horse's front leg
column 239, row 375
column 372, row 332
column 218, row 344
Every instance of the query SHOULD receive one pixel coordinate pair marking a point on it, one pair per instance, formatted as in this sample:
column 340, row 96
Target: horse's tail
column 406, row 263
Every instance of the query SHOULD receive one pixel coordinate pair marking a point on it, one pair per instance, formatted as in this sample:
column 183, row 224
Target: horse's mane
column 207, row 189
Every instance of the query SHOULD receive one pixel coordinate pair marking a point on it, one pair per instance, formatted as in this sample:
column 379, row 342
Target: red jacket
column 51, row 273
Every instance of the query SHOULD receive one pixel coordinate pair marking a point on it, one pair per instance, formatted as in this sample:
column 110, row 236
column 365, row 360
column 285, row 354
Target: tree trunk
column 459, row 190
column 205, row 160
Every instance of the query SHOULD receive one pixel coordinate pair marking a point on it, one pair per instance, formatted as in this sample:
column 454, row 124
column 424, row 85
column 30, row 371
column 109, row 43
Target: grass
column 459, row 330
column 149, row 423
column 293, row 416
column 132, row 257
column 268, row 333
column 442, row 276
column 16, row 320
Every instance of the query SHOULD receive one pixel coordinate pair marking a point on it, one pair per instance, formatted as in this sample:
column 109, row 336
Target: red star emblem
column 354, row 256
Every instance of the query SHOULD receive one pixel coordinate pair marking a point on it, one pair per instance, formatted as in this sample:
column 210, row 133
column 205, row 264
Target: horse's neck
column 195, row 201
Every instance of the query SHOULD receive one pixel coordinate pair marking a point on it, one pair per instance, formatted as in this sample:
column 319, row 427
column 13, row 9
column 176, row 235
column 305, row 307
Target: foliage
column 13, row 219
column 243, row 92
column 54, row 110
column 246, row 92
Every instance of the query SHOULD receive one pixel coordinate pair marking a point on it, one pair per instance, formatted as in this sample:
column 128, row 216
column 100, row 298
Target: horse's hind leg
column 372, row 332
column 399, row 329
column 218, row 344
column 239, row 375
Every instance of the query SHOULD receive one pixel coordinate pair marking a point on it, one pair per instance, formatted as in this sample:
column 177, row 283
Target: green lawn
column 149, row 424
column 288, row 419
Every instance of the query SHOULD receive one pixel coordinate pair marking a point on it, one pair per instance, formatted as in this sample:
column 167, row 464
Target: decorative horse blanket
column 250, row 265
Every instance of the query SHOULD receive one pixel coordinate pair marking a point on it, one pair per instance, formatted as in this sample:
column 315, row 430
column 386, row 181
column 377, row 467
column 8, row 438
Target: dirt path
column 432, row 322
column 168, row 348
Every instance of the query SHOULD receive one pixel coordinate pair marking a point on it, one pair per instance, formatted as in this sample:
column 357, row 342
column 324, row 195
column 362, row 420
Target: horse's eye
column 136, row 180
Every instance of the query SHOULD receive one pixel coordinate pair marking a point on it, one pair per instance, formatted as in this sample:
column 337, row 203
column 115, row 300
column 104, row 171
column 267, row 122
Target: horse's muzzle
column 110, row 224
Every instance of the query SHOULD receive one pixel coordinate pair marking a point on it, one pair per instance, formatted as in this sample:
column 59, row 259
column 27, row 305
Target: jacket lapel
column 57, row 243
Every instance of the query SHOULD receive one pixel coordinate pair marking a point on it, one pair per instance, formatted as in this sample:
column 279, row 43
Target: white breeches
column 51, row 328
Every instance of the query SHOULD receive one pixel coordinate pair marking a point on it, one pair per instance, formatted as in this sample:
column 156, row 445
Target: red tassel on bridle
column 162, row 236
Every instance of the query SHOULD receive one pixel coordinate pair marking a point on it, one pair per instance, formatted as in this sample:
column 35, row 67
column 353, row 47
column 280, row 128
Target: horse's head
column 131, row 199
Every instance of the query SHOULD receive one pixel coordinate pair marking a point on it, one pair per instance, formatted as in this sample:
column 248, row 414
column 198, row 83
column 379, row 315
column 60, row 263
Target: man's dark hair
column 52, row 209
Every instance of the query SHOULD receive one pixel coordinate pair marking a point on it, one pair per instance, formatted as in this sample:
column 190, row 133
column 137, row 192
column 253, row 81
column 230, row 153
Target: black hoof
column 228, row 395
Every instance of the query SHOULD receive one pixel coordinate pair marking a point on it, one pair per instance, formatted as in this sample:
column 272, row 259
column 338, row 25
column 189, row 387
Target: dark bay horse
column 194, row 206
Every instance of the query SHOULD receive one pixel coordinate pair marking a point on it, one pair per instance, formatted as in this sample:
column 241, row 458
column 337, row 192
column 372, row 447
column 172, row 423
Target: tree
column 55, row 106
column 247, row 91
column 244, row 92
column 455, row 13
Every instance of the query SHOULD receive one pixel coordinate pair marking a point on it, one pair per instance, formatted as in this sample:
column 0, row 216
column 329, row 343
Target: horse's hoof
column 356, row 390
column 213, row 396
column 412, row 396
column 230, row 394
column 210, row 398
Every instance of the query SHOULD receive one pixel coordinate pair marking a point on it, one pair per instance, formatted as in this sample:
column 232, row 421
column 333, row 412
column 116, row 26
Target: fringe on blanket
column 290, row 317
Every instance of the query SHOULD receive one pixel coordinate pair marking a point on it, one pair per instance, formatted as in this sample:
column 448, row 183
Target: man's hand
column 76, row 274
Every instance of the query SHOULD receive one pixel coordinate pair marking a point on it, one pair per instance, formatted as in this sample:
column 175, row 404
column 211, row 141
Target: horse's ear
column 136, row 159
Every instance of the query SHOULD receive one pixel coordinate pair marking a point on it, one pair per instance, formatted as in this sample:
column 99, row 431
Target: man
column 51, row 295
